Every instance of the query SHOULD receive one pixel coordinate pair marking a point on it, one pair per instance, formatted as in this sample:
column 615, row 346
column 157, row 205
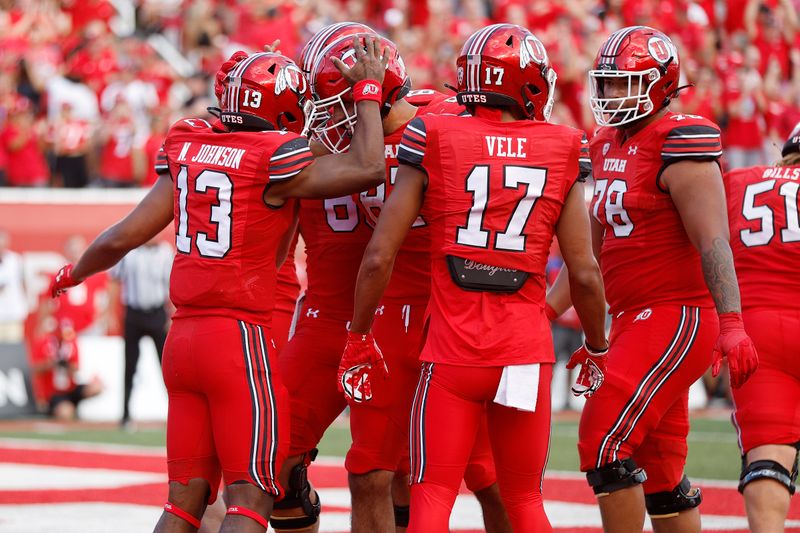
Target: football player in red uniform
column 229, row 191
column 661, row 237
column 380, row 450
column 765, row 238
column 493, row 188
column 336, row 231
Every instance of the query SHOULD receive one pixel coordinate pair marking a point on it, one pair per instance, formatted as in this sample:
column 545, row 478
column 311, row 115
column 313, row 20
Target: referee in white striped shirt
column 143, row 275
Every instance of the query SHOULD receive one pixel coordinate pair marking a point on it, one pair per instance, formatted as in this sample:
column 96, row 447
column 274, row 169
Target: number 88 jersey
column 646, row 256
column 226, row 237
column 765, row 234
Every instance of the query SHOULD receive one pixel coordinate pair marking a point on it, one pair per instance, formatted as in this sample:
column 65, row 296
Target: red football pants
column 380, row 426
column 309, row 363
column 227, row 406
column 641, row 410
column 767, row 404
column 449, row 404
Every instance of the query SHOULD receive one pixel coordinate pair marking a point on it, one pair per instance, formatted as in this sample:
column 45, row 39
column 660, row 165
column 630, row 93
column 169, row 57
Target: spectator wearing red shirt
column 118, row 138
column 54, row 363
column 160, row 126
column 703, row 97
column 771, row 28
column 744, row 106
column 273, row 18
column 70, row 137
column 22, row 141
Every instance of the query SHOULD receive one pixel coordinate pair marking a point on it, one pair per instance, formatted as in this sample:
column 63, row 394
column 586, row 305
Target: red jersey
column 410, row 283
column 57, row 379
column 495, row 193
column 646, row 256
column 226, row 237
column 71, row 137
column 336, row 232
column 765, row 234
column 335, row 235
column 116, row 158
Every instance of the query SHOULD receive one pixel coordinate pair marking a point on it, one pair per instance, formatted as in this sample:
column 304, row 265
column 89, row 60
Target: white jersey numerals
column 512, row 239
column 765, row 215
column 341, row 213
column 220, row 213
column 612, row 194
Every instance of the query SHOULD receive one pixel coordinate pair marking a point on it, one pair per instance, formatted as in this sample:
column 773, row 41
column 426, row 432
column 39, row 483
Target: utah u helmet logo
column 660, row 49
column 290, row 77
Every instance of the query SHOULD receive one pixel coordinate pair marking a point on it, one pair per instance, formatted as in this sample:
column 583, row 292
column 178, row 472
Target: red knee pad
column 180, row 513
column 249, row 513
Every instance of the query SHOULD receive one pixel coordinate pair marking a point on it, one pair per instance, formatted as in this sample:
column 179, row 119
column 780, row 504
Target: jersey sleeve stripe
column 413, row 144
column 683, row 145
column 421, row 132
column 697, row 129
column 413, row 151
column 300, row 159
column 697, row 136
column 289, row 171
column 687, row 155
column 278, row 157
column 286, row 175
column 689, row 149
column 161, row 166
column 413, row 141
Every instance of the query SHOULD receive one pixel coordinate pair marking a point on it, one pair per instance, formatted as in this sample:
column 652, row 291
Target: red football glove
column 62, row 281
column 734, row 343
column 224, row 70
column 361, row 357
column 593, row 367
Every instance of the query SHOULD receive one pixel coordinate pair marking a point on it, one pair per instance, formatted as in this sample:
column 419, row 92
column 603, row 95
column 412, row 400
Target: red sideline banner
column 39, row 221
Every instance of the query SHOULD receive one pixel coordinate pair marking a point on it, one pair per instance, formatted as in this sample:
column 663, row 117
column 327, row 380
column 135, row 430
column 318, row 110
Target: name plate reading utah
column 474, row 276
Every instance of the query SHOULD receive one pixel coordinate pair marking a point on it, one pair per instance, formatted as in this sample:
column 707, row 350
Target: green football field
column 713, row 453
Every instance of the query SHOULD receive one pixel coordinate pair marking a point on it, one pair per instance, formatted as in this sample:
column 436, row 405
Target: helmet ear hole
column 271, row 68
column 510, row 41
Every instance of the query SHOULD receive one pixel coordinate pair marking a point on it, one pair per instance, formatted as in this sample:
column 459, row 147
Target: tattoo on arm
column 720, row 276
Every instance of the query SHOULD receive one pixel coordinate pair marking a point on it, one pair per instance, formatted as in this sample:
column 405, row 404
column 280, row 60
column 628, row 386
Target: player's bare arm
column 397, row 216
column 147, row 219
column 362, row 166
column 585, row 280
column 288, row 237
column 558, row 297
column 698, row 194
column 697, row 191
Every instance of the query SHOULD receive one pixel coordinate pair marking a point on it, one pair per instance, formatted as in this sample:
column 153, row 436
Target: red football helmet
column 645, row 58
column 265, row 91
column 333, row 114
column 326, row 36
column 506, row 65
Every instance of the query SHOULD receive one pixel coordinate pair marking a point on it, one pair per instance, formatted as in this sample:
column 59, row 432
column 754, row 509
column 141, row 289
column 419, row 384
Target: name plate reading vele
column 474, row 276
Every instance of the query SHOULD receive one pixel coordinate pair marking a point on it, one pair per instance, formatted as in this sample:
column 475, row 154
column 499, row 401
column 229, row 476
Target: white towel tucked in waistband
column 519, row 387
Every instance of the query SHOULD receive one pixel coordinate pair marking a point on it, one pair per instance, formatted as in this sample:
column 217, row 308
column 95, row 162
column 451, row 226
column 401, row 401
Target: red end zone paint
column 716, row 500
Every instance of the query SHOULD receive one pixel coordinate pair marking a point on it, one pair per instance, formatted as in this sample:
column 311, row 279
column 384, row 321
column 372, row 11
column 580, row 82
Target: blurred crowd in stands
column 88, row 88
